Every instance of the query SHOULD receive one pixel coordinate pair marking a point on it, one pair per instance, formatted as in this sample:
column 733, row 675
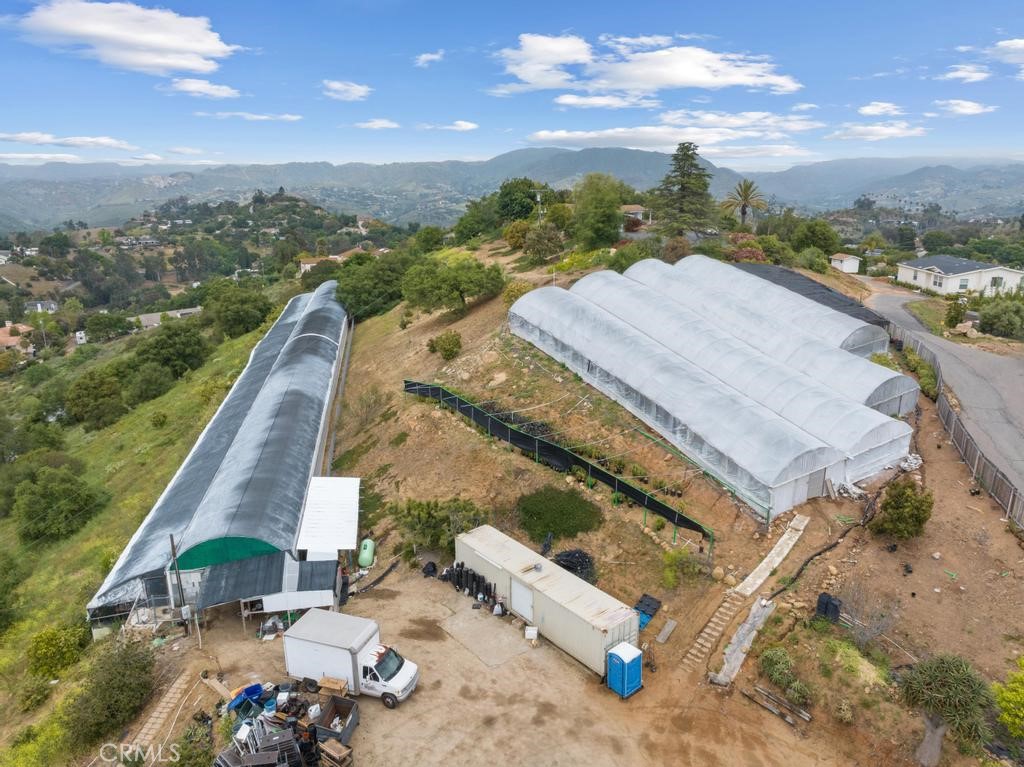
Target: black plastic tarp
column 814, row 290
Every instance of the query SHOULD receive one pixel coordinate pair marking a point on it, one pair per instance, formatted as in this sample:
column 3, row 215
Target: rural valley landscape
column 397, row 384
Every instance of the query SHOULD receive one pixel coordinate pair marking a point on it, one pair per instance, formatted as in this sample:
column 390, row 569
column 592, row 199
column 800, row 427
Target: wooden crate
column 333, row 754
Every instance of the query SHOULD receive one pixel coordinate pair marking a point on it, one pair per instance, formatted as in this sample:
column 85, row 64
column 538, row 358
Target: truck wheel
column 389, row 700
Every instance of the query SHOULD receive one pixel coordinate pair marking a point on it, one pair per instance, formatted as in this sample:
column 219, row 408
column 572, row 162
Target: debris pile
column 911, row 462
column 578, row 562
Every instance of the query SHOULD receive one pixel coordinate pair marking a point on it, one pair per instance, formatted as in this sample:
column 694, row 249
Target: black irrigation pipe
column 379, row 578
column 554, row 455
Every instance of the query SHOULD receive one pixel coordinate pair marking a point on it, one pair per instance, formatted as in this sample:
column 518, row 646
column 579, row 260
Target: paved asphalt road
column 990, row 387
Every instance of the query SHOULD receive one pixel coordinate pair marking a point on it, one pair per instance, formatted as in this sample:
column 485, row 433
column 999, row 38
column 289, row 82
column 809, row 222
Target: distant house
column 845, row 262
column 950, row 274
column 12, row 340
column 81, row 338
column 305, row 264
column 639, row 212
column 5, row 257
column 50, row 307
column 153, row 319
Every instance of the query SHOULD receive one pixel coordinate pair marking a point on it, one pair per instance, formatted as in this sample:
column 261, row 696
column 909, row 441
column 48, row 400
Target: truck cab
column 385, row 674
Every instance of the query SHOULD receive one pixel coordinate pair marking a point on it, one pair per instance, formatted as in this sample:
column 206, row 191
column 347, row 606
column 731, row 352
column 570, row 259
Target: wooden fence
column 987, row 475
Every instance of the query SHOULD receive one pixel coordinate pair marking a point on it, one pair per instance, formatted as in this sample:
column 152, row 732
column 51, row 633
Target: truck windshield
column 389, row 665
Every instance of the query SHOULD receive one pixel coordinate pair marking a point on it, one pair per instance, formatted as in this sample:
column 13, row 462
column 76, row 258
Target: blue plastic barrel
column 270, row 706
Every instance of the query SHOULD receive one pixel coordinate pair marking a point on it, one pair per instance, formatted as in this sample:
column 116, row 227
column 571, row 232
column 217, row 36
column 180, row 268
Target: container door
column 522, row 601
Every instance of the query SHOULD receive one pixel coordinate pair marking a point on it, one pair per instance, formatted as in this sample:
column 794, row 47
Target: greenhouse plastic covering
column 867, row 438
column 245, row 478
column 770, row 300
column 766, row 460
column 861, row 380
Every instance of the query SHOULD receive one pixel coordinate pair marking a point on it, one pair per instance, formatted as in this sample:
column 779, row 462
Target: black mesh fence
column 555, row 456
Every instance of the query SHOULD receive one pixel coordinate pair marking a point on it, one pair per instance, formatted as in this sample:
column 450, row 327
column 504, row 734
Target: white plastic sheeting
column 765, row 459
column 868, row 439
column 770, row 300
column 859, row 379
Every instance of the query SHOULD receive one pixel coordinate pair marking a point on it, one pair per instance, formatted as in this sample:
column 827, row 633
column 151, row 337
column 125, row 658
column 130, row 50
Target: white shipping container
column 579, row 618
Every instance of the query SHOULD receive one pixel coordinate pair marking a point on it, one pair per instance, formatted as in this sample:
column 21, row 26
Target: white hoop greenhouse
column 766, row 460
column 770, row 300
column 861, row 380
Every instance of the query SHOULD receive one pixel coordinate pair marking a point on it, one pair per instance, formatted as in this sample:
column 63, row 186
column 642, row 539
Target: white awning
column 330, row 519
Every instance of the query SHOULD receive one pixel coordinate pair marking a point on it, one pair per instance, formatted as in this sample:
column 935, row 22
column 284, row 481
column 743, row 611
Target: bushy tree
column 516, row 199
column 103, row 327
column 481, row 217
column 936, row 240
column 1003, row 317
column 560, row 215
column 236, row 310
column 434, row 284
column 675, row 249
column 116, row 687
column 12, row 572
column 542, row 242
column 54, row 505
column 515, row 234
column 55, row 648
column 816, row 233
column 514, row 291
column 952, row 697
column 95, row 398
column 371, row 285
column 598, row 218
column 682, row 202
column 149, row 382
column 812, row 258
column 775, row 250
column 428, row 239
column 904, row 510
column 627, row 255
column 319, row 274
column 177, row 345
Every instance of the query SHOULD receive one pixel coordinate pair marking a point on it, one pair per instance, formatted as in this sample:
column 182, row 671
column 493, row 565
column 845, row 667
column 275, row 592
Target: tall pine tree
column 683, row 203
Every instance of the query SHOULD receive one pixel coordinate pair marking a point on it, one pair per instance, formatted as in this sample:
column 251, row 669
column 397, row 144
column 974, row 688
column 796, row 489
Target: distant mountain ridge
column 106, row 194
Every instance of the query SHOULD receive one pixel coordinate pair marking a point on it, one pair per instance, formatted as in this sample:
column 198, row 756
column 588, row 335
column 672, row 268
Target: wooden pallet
column 333, row 754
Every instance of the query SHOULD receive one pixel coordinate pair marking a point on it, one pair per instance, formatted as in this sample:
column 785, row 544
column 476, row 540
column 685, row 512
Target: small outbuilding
column 329, row 529
column 579, row 618
column 845, row 262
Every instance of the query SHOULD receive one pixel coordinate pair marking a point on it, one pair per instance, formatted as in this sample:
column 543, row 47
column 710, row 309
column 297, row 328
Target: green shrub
column 678, row 564
column 885, row 360
column 515, row 290
column 54, row 649
column 777, row 666
column 1003, row 317
column 116, row 687
column 33, row 693
column 844, row 711
column 399, row 439
column 565, row 513
column 158, row 420
column 798, row 693
column 659, row 524
column 925, row 373
column 448, row 344
column 904, row 510
column 54, row 505
column 955, row 313
column 435, row 524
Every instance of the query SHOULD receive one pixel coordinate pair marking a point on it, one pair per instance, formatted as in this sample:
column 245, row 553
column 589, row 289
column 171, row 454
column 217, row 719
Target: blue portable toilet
column 625, row 669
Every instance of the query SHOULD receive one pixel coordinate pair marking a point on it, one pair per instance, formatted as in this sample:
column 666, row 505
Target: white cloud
column 378, row 123
column 767, row 124
column 962, row 107
column 1009, row 52
column 83, row 142
column 755, row 150
column 127, row 36
column 251, row 116
column 538, row 63
column 968, row 73
column 202, row 88
column 16, row 157
column 664, row 137
column 964, row 48
column 804, row 107
column 878, row 131
column 929, row 114
column 345, row 90
column 148, row 157
column 643, row 65
column 189, row 150
column 460, row 126
column 877, row 108
column 607, row 101
column 426, row 59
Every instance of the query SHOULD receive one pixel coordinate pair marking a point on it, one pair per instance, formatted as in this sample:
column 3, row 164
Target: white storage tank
column 570, row 613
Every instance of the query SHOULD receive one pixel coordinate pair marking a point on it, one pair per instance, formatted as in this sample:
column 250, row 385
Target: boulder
column 718, row 573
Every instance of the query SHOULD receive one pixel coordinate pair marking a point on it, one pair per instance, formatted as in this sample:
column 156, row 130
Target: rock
column 757, row 536
column 718, row 573
column 730, row 580
column 936, row 556
column 730, row 568
column 498, row 380
column 962, row 328
column 832, row 570
column 972, row 333
column 937, row 590
column 799, row 605
column 785, row 607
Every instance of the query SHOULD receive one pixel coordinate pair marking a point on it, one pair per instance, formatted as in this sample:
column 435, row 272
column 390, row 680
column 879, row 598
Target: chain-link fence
column 985, row 473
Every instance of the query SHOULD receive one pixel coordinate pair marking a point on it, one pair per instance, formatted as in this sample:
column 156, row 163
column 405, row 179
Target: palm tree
column 745, row 196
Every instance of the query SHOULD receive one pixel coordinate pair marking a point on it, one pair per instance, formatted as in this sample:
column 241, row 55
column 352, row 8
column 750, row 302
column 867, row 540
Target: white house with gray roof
column 947, row 275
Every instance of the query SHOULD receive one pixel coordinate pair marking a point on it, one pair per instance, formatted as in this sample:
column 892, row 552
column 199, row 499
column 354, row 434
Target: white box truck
column 324, row 643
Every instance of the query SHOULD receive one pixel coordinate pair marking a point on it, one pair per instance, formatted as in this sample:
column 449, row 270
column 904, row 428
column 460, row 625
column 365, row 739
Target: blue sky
column 756, row 85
